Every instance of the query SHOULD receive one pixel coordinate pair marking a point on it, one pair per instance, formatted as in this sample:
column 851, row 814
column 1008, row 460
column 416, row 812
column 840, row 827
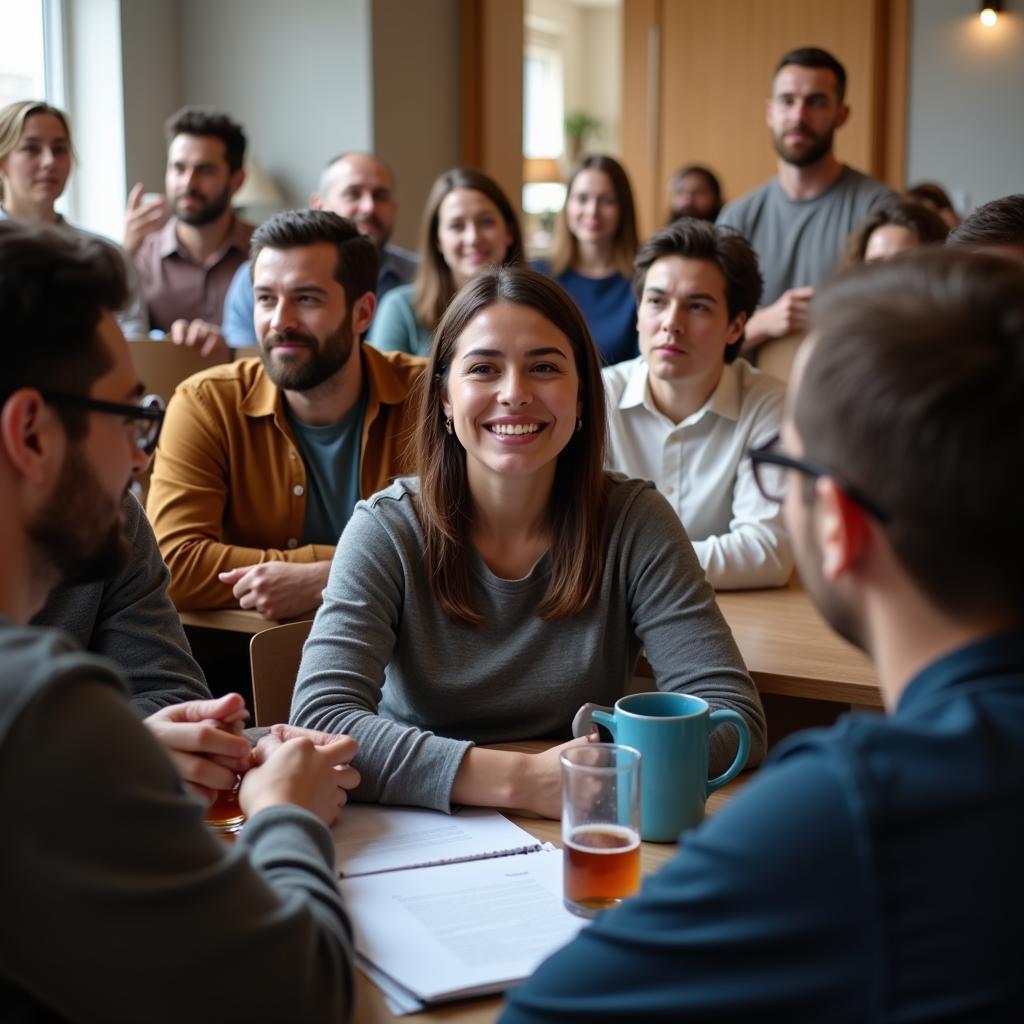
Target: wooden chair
column 275, row 654
column 776, row 357
column 162, row 366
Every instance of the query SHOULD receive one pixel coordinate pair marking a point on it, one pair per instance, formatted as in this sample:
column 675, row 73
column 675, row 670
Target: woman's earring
column 448, row 425
column 579, row 424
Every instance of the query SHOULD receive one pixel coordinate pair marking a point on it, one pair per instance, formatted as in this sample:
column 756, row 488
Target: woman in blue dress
column 593, row 251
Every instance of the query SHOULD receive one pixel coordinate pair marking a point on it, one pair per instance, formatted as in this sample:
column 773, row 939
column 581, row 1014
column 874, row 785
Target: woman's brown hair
column 435, row 285
column 565, row 248
column 576, row 507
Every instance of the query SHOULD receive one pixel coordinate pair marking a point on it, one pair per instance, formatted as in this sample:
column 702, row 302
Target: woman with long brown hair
column 593, row 251
column 514, row 579
column 468, row 226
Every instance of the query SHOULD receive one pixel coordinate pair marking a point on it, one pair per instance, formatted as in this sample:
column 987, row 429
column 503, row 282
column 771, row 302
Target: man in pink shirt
column 187, row 263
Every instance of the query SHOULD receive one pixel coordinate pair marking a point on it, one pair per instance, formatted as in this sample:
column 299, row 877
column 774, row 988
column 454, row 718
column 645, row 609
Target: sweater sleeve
column 685, row 637
column 343, row 666
column 119, row 904
column 188, row 494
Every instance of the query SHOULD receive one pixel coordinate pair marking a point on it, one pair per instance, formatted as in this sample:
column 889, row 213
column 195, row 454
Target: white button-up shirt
column 700, row 465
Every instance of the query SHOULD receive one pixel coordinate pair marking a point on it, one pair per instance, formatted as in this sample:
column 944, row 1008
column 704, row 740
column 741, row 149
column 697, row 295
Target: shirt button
column 292, row 542
column 670, row 489
column 298, row 490
column 292, row 455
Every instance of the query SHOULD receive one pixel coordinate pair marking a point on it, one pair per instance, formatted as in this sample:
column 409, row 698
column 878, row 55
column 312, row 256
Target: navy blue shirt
column 608, row 306
column 870, row 872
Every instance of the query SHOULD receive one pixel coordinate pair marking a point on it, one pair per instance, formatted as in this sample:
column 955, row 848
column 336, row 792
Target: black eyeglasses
column 147, row 417
column 771, row 466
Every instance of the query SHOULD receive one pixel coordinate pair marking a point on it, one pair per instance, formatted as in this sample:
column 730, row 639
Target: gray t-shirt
column 386, row 665
column 331, row 457
column 119, row 904
column 799, row 241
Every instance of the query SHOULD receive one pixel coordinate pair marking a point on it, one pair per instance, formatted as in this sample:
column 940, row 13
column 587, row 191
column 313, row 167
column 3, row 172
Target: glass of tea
column 225, row 815
column 600, row 826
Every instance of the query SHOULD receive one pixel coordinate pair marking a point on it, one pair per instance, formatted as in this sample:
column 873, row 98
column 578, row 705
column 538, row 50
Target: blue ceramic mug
column 671, row 731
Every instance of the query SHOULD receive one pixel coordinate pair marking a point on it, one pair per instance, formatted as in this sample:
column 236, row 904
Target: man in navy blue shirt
column 869, row 871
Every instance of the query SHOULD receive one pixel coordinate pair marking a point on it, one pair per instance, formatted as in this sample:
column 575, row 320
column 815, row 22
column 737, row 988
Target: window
column 22, row 53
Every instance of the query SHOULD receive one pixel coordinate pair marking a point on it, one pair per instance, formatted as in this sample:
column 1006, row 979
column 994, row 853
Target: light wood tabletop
column 370, row 1006
column 787, row 646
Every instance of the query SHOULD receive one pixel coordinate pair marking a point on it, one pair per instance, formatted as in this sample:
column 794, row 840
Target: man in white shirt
column 684, row 413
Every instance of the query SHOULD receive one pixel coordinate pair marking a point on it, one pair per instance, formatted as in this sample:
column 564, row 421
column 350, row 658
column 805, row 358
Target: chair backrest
column 275, row 654
column 162, row 366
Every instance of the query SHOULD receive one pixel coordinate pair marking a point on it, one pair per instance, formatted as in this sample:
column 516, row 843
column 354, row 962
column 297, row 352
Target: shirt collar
column 237, row 238
column 724, row 400
column 1001, row 654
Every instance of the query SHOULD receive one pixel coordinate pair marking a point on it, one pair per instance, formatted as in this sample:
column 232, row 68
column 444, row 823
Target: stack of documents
column 448, row 906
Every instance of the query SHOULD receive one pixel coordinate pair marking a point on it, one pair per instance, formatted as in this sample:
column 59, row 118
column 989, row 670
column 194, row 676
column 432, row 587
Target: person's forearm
column 758, row 331
column 491, row 778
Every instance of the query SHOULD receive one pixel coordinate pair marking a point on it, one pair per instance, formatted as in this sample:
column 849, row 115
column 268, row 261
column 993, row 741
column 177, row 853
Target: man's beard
column 78, row 532
column 325, row 360
column 807, row 153
column 827, row 597
column 210, row 210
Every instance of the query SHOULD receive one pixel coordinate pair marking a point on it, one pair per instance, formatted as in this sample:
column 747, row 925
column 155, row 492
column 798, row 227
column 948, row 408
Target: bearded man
column 799, row 220
column 187, row 261
column 262, row 460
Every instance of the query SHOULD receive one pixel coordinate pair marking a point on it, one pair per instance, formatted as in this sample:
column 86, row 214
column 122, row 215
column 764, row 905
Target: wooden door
column 697, row 73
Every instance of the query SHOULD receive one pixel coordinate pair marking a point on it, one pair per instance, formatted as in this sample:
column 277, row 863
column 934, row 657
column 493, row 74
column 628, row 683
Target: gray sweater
column 119, row 904
column 131, row 620
column 384, row 664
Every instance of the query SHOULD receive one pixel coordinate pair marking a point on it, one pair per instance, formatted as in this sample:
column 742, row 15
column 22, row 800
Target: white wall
column 966, row 102
column 151, row 34
column 297, row 75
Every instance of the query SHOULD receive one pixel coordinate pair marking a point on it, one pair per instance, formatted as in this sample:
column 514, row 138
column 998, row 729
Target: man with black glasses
column 869, row 871
column 101, row 842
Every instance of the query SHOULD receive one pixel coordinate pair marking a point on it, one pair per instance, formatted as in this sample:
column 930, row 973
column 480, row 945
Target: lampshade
column 541, row 168
column 259, row 189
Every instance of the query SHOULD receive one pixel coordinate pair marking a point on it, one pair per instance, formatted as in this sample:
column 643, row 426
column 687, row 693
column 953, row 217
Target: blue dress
column 608, row 306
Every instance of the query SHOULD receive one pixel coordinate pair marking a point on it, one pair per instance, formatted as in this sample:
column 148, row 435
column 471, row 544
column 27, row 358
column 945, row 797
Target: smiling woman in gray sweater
column 513, row 580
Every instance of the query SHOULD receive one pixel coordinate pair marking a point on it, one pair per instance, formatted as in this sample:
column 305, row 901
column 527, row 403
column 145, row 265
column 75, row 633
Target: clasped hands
column 289, row 765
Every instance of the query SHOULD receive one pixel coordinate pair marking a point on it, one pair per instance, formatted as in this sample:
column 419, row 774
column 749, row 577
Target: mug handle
column 588, row 714
column 722, row 717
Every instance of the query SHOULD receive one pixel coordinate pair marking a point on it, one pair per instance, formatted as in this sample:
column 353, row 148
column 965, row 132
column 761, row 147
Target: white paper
column 461, row 930
column 369, row 838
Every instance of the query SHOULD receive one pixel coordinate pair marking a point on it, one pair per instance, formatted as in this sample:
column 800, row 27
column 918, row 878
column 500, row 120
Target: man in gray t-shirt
column 799, row 221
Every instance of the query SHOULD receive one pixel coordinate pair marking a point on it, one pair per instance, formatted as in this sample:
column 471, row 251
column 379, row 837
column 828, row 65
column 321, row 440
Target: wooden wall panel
column 717, row 73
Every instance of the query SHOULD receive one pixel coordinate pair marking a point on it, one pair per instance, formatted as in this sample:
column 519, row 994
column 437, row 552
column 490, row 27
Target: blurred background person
column 935, row 197
column 892, row 230
column 468, row 226
column 593, row 252
column 694, row 191
column 35, row 163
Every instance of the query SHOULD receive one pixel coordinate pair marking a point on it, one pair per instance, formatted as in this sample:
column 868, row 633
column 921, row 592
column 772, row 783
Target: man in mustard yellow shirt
column 261, row 461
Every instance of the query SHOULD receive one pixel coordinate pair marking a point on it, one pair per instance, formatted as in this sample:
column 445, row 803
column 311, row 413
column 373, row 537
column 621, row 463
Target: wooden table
column 370, row 1006
column 787, row 646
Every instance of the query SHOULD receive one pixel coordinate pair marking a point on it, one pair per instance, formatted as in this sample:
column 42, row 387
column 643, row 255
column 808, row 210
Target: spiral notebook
column 448, row 906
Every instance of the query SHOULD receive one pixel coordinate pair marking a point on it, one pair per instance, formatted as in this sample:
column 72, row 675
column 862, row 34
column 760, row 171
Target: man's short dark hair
column 207, row 121
column 912, row 393
column 54, row 286
column 1000, row 222
column 814, row 57
column 357, row 264
column 696, row 239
